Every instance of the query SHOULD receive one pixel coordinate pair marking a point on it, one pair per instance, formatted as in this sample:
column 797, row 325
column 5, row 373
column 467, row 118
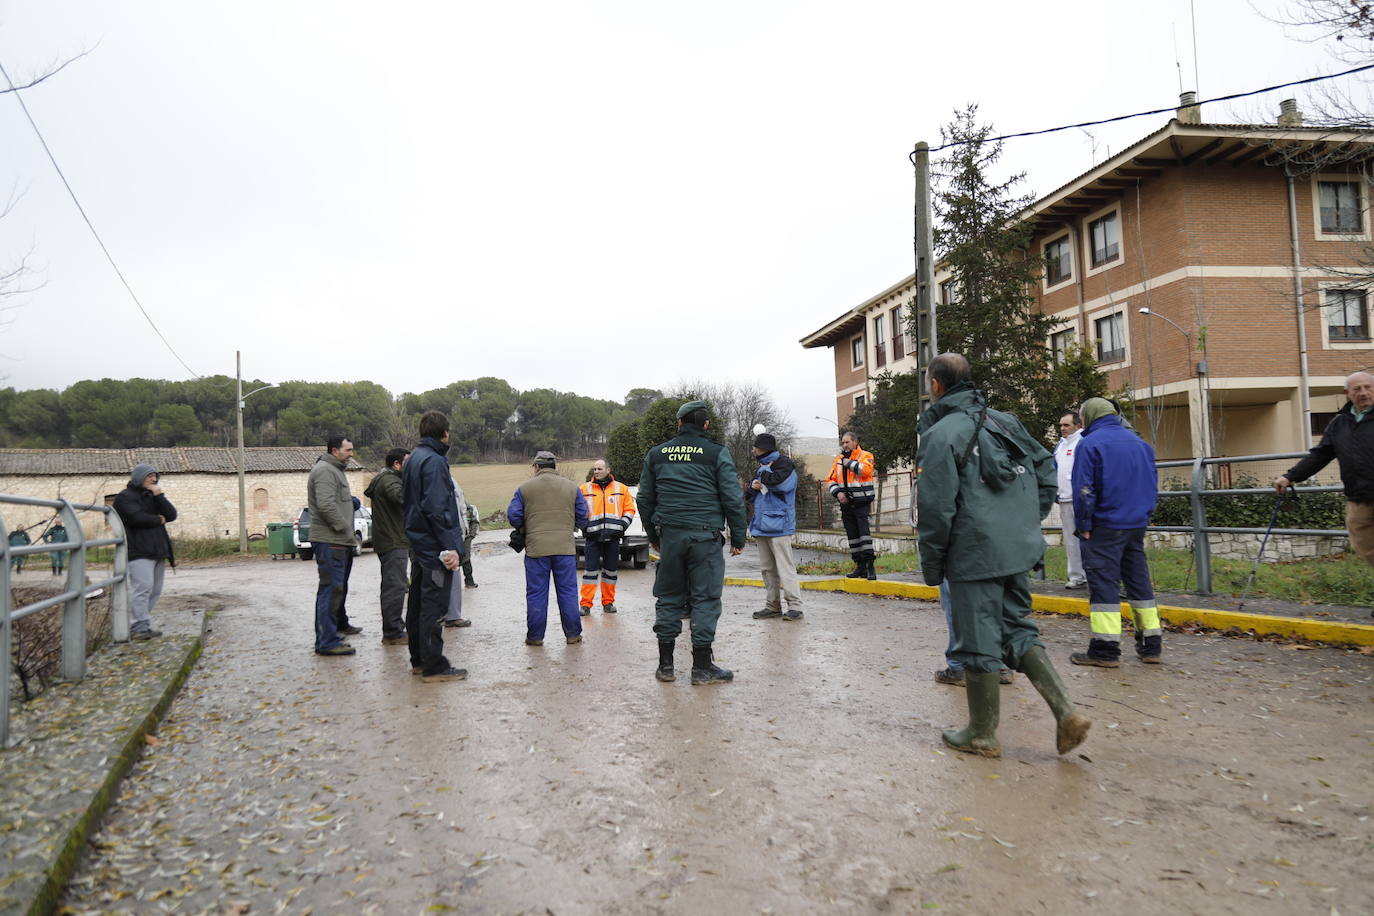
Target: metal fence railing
column 892, row 508
column 72, row 598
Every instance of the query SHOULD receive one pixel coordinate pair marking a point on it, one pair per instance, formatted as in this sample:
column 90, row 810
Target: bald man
column 1349, row 440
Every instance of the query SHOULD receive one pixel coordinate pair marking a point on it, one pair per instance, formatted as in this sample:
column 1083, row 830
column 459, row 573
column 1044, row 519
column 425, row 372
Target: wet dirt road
column 1233, row 779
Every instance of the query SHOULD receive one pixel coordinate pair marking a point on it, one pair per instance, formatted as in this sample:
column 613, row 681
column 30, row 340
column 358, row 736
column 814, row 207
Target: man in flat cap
column 688, row 491
column 549, row 507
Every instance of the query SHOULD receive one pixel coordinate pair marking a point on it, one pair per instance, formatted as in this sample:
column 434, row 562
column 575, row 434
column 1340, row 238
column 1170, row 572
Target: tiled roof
column 64, row 461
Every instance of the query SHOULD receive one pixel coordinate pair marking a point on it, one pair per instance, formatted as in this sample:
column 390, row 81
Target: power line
column 1142, row 114
column 18, row 97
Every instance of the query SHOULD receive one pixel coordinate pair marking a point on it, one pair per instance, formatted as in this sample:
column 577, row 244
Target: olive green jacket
column 388, row 519
column 979, row 518
column 691, row 482
column 331, row 503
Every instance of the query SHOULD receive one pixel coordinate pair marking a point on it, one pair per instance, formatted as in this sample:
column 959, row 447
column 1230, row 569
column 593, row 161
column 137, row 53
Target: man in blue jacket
column 773, row 493
column 1114, row 489
column 435, row 532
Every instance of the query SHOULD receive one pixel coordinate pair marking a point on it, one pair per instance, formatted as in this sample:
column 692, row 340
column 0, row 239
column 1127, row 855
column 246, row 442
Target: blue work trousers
column 563, row 569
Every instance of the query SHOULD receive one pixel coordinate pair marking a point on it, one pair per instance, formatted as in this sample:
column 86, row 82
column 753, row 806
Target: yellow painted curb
column 1338, row 632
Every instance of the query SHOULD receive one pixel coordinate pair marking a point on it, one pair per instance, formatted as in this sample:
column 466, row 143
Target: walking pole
column 1273, row 517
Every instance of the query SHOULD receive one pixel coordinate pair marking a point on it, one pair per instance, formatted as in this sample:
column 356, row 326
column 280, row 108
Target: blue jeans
column 563, row 569
column 330, row 561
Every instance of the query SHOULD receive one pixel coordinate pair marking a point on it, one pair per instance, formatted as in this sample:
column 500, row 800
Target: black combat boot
column 869, row 569
column 704, row 670
column 859, row 569
column 665, row 662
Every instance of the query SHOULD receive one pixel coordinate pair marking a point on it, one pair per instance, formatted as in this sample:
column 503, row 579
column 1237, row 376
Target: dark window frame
column 1064, row 260
column 1110, row 250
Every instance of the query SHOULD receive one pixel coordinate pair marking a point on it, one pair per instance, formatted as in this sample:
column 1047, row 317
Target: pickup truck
column 362, row 532
column 634, row 546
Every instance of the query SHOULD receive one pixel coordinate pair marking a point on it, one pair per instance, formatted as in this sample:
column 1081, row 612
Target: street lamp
column 1204, row 405
column 828, row 420
column 243, row 508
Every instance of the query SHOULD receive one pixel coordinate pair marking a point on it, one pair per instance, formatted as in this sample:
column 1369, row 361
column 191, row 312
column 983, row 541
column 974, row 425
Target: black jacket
column 1352, row 445
column 139, row 510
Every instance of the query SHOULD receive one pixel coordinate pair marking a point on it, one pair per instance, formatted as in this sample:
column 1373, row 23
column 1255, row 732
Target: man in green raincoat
column 984, row 485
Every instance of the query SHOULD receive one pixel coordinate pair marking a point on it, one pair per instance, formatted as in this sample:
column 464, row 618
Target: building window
column 859, row 401
column 1058, row 261
column 1319, row 422
column 879, row 342
column 1110, row 332
column 1346, row 316
column 856, row 352
column 260, row 499
column 949, row 292
column 1060, row 341
column 1104, row 234
column 898, row 334
column 1339, row 206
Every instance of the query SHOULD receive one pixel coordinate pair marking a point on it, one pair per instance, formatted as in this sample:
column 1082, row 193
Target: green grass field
column 490, row 486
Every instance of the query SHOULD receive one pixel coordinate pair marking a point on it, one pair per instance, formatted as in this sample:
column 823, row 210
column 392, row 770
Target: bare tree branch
column 53, row 71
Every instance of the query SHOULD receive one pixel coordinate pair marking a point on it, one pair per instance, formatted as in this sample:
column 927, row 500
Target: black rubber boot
column 665, row 663
column 704, row 669
column 984, row 692
column 1072, row 725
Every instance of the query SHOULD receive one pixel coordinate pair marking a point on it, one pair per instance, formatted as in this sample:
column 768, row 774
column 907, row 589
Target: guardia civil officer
column 688, row 491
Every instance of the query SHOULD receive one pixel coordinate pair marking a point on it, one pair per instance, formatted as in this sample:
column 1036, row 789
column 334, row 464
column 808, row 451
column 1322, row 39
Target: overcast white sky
column 584, row 196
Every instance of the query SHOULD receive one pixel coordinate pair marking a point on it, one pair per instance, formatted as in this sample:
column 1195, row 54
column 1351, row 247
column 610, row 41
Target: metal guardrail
column 73, row 598
column 1197, row 492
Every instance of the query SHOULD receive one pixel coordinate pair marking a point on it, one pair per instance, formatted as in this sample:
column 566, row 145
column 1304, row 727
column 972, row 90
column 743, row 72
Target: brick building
column 201, row 482
column 1202, row 225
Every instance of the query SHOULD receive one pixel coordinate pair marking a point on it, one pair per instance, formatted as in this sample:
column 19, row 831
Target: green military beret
column 690, row 406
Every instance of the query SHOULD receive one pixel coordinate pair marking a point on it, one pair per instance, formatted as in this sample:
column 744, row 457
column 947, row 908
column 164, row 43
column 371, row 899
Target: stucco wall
column 207, row 504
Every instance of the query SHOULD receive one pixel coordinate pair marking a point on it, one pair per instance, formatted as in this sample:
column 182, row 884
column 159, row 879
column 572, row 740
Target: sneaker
column 766, row 613
column 401, row 640
column 1005, row 676
column 145, row 634
column 585, row 610
column 449, row 674
column 469, row 584
column 574, row 640
column 608, row 608
column 342, row 648
column 350, row 630
column 1082, row 583
column 460, row 622
column 1093, row 661
column 792, row 614
column 534, row 642
column 950, row 676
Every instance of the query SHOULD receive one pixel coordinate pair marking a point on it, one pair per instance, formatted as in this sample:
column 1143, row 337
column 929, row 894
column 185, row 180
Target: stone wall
column 1281, row 547
column 207, row 504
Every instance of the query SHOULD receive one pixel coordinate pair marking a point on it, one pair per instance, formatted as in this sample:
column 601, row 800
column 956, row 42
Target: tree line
column 491, row 420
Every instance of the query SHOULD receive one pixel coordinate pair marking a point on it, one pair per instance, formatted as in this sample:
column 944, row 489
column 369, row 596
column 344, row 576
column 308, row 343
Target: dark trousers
column 429, row 594
column 563, row 570
column 1114, row 558
column 394, row 588
column 992, row 625
column 341, row 613
column 855, row 518
column 689, row 580
column 467, row 560
column 603, row 560
column 329, row 562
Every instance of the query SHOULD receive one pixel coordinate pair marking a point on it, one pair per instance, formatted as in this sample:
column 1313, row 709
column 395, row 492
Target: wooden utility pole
column 923, row 330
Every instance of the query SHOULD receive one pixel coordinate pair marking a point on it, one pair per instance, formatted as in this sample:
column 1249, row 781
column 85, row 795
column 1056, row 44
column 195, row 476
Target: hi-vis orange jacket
column 609, row 509
column 853, row 476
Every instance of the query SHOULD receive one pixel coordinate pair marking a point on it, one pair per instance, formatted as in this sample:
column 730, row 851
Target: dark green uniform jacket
column 690, row 482
column 980, row 521
column 388, row 519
